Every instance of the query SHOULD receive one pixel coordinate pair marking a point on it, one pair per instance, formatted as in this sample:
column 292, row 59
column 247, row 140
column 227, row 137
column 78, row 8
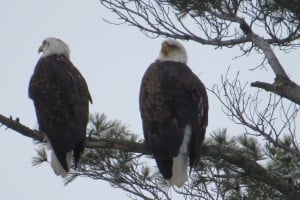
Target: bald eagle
column 61, row 99
column 174, row 111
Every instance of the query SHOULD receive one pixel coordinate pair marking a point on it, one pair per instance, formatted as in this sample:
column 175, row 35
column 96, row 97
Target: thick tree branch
column 123, row 145
column 282, row 87
column 20, row 128
column 270, row 56
column 90, row 142
column 250, row 168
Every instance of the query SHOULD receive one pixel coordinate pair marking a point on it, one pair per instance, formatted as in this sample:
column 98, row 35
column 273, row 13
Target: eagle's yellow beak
column 165, row 49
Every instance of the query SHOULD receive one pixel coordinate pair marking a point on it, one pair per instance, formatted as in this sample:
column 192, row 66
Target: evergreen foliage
column 263, row 161
column 213, row 178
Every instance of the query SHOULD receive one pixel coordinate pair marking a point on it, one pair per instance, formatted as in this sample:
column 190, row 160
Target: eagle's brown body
column 172, row 98
column 61, row 99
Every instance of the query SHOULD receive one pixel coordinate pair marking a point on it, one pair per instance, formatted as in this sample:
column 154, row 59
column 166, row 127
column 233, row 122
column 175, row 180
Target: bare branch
column 160, row 19
column 20, row 128
column 282, row 87
column 251, row 112
column 271, row 57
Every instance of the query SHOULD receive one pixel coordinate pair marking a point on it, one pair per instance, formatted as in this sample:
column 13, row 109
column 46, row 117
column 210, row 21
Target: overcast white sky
column 112, row 60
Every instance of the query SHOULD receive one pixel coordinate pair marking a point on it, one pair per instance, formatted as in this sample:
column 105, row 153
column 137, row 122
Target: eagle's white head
column 172, row 50
column 51, row 46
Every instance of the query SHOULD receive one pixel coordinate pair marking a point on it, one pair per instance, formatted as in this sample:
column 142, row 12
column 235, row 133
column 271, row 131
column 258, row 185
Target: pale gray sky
column 112, row 60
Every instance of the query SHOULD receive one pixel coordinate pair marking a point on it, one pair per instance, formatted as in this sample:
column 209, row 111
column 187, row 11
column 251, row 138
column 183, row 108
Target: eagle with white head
column 174, row 111
column 61, row 99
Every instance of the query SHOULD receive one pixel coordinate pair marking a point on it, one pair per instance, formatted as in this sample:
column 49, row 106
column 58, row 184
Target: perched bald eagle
column 174, row 111
column 61, row 100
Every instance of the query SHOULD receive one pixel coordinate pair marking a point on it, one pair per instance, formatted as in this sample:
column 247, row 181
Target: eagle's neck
column 175, row 56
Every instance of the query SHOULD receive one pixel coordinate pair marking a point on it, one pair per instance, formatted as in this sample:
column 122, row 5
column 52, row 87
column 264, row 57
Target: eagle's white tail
column 179, row 170
column 57, row 167
column 180, row 162
column 55, row 164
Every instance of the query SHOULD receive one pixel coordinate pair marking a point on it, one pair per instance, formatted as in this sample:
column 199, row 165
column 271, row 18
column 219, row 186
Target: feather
column 180, row 162
column 174, row 111
column 57, row 167
column 61, row 100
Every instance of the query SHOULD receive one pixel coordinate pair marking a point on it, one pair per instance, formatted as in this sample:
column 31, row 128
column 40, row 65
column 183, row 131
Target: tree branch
column 90, row 142
column 20, row 128
column 217, row 25
column 156, row 18
column 250, row 167
column 270, row 56
column 283, row 87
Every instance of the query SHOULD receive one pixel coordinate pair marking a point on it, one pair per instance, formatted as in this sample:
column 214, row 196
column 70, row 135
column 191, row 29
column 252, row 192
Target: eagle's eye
column 45, row 43
column 173, row 46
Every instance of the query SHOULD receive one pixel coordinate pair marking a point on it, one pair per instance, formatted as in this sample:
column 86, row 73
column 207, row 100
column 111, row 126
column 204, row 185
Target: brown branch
column 123, row 145
column 90, row 143
column 251, row 168
column 270, row 55
column 20, row 128
column 155, row 18
column 283, row 87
